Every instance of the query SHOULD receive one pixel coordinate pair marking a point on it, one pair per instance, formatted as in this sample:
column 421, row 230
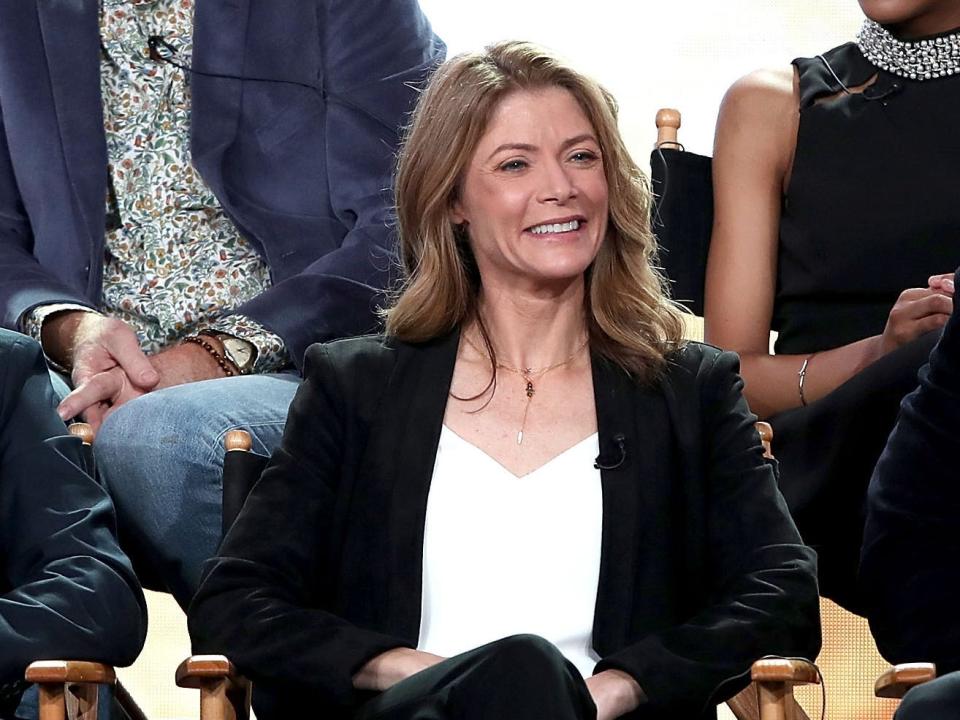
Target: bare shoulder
column 759, row 116
column 764, row 91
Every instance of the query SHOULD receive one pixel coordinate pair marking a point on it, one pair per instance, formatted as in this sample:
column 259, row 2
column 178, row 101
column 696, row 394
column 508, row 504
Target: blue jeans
column 160, row 457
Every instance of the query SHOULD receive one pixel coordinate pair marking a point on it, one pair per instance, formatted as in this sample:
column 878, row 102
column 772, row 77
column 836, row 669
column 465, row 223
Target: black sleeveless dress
column 872, row 208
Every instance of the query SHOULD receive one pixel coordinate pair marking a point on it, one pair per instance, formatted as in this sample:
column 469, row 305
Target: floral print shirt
column 174, row 262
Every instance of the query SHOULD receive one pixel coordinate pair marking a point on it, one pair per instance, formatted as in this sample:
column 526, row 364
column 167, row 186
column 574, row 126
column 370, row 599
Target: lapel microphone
column 161, row 51
column 602, row 463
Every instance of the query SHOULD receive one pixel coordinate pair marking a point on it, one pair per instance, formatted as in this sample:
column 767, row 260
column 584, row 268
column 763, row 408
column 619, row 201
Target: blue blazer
column 66, row 589
column 300, row 153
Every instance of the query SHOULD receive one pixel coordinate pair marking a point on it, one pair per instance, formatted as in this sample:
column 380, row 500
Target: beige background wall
column 678, row 53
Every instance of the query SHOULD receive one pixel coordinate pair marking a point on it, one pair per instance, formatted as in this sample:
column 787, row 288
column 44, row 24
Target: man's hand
column 615, row 693
column 108, row 367
column 187, row 362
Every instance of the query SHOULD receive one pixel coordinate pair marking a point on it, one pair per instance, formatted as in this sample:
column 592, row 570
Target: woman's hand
column 615, row 693
column 918, row 311
column 387, row 669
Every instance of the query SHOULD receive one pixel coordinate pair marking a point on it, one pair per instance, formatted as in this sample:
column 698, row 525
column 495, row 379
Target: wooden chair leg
column 52, row 704
column 80, row 701
column 69, row 684
column 224, row 695
column 775, row 678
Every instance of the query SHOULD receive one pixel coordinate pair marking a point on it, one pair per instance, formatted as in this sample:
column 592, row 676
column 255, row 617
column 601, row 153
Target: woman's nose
column 558, row 186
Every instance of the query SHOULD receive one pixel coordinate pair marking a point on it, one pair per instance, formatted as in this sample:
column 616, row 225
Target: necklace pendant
column 530, row 389
column 520, row 438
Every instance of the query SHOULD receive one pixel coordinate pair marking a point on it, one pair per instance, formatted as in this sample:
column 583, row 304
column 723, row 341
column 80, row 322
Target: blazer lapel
column 633, row 432
column 404, row 442
column 71, row 41
column 219, row 45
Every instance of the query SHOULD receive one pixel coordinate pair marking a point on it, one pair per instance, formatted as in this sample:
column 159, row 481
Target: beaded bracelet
column 228, row 367
column 802, row 375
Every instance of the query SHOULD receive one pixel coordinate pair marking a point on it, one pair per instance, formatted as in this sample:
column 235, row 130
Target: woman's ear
column 456, row 214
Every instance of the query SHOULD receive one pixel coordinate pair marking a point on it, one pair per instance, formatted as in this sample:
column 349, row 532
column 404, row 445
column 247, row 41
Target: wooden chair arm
column 69, row 683
column 224, row 693
column 895, row 682
column 198, row 670
column 70, row 671
column 785, row 670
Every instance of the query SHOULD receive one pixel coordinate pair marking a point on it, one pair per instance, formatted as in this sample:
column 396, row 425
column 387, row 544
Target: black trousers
column 827, row 452
column 936, row 700
column 517, row 678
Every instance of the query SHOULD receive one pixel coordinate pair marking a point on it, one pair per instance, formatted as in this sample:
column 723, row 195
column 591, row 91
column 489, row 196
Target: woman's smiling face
column 533, row 197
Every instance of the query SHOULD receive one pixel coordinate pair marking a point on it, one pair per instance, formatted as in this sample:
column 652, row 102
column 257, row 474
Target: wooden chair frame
column 896, row 681
column 226, row 695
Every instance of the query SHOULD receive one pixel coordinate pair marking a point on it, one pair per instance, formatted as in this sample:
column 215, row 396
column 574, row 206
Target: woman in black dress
column 836, row 224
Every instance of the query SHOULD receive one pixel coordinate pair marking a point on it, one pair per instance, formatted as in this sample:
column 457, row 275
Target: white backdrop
column 682, row 54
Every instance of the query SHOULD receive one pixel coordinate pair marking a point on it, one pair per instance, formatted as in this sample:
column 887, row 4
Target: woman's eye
column 514, row 165
column 583, row 156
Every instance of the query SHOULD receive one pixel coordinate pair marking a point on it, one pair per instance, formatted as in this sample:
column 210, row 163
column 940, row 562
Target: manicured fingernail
column 63, row 414
column 948, row 284
column 148, row 376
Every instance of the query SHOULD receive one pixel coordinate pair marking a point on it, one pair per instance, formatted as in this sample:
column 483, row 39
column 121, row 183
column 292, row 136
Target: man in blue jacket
column 66, row 589
column 191, row 192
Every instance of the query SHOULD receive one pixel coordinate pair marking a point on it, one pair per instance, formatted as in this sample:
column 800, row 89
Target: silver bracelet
column 802, row 375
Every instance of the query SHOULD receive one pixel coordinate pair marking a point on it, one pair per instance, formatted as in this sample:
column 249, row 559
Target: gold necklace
column 529, row 375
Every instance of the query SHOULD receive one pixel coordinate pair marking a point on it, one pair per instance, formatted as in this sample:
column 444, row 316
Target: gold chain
column 529, row 375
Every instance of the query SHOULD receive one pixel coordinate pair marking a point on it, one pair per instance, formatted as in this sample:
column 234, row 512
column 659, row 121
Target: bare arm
column 753, row 155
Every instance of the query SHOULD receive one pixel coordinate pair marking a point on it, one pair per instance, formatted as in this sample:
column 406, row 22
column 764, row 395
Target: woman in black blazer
column 531, row 328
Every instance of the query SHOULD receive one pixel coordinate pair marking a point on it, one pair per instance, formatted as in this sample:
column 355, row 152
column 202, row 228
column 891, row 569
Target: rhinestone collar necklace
column 923, row 59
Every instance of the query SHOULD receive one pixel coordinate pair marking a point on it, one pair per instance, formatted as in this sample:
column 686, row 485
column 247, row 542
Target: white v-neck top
column 504, row 555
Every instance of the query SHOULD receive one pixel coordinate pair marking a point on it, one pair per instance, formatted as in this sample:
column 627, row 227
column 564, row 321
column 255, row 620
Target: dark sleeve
column 23, row 282
column 377, row 54
column 762, row 580
column 70, row 592
column 261, row 601
column 910, row 563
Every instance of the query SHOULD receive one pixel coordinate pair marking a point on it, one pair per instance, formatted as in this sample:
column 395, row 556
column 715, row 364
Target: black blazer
column 66, row 589
column 702, row 570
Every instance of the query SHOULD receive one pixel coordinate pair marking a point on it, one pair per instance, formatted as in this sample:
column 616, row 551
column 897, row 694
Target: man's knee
column 144, row 430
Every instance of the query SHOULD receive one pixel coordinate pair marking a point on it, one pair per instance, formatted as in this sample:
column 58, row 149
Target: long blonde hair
column 631, row 320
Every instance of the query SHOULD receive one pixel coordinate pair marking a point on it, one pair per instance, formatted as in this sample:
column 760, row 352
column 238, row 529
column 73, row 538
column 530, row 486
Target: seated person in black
column 66, row 589
column 910, row 567
column 835, row 224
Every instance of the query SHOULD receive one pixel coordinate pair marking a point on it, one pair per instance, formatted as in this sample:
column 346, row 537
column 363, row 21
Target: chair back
column 683, row 212
column 241, row 469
